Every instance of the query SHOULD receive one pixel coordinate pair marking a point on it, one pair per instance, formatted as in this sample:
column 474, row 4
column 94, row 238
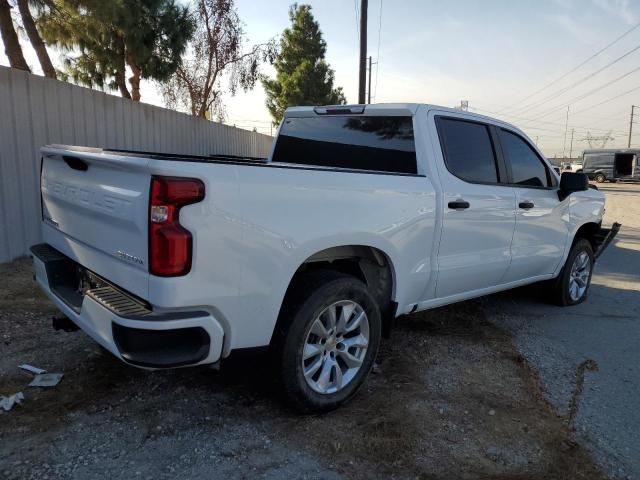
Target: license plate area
column 70, row 281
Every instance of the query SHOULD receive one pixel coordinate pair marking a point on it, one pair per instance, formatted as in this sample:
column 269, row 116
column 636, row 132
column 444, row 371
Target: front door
column 541, row 219
column 479, row 212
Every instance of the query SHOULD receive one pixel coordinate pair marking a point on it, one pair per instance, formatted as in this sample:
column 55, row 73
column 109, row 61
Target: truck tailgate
column 95, row 210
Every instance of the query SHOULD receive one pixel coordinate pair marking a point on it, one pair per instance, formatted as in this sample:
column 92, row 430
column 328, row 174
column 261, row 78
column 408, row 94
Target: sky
column 514, row 60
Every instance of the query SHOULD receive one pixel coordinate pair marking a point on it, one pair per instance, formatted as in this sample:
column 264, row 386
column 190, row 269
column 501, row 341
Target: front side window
column 468, row 150
column 384, row 144
column 527, row 167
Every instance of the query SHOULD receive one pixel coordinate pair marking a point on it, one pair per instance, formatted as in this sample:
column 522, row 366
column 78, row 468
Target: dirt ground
column 596, row 341
column 451, row 398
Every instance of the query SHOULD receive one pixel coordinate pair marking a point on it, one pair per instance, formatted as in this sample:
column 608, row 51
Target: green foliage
column 303, row 77
column 217, row 52
column 102, row 37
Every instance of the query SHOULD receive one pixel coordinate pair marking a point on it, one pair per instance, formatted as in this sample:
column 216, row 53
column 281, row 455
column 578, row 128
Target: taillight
column 170, row 244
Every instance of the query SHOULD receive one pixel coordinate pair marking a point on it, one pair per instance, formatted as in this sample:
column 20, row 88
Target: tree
column 12, row 47
column 303, row 77
column 216, row 51
column 148, row 36
column 34, row 37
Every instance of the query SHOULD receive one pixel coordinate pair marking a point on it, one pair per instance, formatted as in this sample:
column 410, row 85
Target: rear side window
column 468, row 150
column 527, row 167
column 384, row 144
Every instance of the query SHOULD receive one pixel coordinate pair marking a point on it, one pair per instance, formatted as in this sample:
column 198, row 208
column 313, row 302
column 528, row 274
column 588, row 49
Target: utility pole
column 566, row 127
column 571, row 147
column 631, row 126
column 369, row 89
column 364, row 4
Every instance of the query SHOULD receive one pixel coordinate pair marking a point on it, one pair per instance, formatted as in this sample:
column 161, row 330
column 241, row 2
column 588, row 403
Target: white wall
column 36, row 111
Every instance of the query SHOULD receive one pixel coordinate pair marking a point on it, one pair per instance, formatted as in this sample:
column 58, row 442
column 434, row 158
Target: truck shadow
column 451, row 397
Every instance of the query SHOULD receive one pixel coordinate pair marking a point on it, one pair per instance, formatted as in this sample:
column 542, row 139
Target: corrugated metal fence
column 36, row 111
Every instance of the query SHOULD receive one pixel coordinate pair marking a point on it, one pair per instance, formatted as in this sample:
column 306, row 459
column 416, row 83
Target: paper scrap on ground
column 7, row 403
column 46, row 380
column 32, row 369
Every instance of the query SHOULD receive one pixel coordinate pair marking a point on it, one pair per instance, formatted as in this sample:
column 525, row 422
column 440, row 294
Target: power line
column 585, row 95
column 575, row 84
column 591, row 92
column 609, row 117
column 581, row 64
column 609, row 100
column 546, row 122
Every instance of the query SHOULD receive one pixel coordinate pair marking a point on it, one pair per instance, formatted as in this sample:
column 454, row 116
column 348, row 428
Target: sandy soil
column 595, row 343
column 452, row 398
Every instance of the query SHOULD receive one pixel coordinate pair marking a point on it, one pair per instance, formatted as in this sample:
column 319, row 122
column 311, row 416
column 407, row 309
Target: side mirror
column 572, row 182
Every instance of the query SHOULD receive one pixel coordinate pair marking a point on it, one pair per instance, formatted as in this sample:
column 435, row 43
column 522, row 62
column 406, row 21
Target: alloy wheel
column 335, row 347
column 579, row 276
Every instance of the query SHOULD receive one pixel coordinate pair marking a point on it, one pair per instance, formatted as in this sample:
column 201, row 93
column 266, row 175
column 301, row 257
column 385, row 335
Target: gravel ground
column 596, row 341
column 452, row 398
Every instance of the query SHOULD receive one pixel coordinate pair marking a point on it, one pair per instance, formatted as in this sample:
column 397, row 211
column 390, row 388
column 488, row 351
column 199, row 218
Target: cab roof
column 389, row 109
column 394, row 109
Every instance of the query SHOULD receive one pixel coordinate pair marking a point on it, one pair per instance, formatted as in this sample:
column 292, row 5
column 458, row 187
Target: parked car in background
column 611, row 164
column 360, row 214
column 575, row 167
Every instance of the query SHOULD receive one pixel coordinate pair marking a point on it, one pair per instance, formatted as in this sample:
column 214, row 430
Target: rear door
column 541, row 229
column 95, row 211
column 479, row 211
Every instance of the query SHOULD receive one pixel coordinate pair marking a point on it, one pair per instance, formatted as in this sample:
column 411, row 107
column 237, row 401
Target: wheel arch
column 587, row 231
column 367, row 263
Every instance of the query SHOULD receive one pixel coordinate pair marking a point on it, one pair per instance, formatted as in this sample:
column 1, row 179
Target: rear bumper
column 124, row 325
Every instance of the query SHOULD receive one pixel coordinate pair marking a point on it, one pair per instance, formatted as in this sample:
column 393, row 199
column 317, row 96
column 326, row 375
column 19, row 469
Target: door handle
column 459, row 205
column 526, row 205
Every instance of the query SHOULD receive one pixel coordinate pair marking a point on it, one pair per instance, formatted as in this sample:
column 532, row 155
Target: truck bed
column 164, row 156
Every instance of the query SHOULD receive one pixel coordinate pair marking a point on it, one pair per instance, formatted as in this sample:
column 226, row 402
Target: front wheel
column 328, row 338
column 599, row 178
column 572, row 285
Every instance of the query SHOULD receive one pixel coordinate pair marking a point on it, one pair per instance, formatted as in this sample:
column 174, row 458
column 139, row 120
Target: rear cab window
column 383, row 144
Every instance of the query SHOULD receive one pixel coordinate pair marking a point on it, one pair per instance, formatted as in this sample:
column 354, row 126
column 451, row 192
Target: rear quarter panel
column 257, row 225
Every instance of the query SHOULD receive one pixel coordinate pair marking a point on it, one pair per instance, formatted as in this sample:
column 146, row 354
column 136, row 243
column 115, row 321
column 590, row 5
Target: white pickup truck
column 360, row 214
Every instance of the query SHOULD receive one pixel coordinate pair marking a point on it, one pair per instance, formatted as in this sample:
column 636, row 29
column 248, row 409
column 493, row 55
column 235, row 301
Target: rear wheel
column 572, row 285
column 599, row 178
column 327, row 340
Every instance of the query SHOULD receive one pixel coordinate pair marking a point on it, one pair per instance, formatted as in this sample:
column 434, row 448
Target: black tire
column 599, row 178
column 560, row 286
column 308, row 297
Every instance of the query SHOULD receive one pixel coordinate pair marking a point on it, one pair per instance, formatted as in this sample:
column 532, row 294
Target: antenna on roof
column 464, row 106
